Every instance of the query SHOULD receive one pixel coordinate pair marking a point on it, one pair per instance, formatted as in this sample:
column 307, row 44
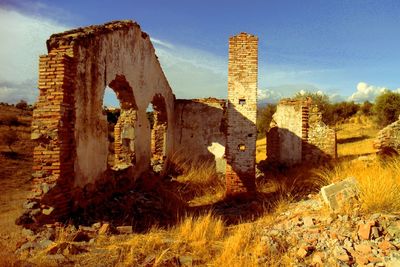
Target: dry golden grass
column 356, row 137
column 200, row 183
column 205, row 240
column 379, row 182
column 261, row 149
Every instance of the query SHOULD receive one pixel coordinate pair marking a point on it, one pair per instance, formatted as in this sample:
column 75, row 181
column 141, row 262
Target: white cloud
column 276, row 93
column 367, row 92
column 23, row 39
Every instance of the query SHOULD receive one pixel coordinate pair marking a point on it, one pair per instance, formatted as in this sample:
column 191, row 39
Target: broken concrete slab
column 338, row 194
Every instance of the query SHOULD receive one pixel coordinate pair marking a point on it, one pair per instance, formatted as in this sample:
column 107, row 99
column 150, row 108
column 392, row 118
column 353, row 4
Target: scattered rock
column 47, row 211
column 45, row 188
column 96, row 225
column 186, row 260
column 386, row 245
column 301, row 253
column 366, row 249
column 27, row 232
column 364, row 230
column 308, row 221
column 81, row 236
column 105, row 229
column 126, row 230
column 28, row 205
column 318, row 259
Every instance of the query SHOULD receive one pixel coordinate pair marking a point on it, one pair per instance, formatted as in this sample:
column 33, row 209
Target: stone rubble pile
column 311, row 232
column 331, row 239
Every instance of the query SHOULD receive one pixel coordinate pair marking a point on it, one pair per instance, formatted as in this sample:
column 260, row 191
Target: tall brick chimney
column 241, row 114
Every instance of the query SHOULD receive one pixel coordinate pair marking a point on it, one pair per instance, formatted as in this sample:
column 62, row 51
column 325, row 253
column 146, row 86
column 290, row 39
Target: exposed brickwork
column 124, row 138
column 297, row 134
column 53, row 117
column 241, row 114
column 70, row 159
column 388, row 140
column 159, row 130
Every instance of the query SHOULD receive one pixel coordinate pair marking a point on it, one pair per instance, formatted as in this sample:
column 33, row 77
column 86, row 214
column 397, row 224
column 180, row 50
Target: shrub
column 264, row 119
column 9, row 120
column 367, row 108
column 22, row 104
column 387, row 107
column 9, row 138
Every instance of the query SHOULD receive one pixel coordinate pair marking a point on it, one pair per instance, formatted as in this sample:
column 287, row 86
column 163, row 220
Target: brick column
column 53, row 121
column 241, row 114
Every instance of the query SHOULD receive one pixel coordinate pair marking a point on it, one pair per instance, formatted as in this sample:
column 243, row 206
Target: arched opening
column 112, row 110
column 122, row 125
column 158, row 121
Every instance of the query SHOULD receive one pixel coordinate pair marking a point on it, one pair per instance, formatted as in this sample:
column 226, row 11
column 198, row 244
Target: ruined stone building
column 388, row 140
column 71, row 130
column 297, row 134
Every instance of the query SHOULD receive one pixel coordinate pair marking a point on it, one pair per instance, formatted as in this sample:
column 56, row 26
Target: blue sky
column 346, row 49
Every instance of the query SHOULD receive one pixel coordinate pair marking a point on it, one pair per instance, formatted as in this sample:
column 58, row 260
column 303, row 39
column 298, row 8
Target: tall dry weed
column 379, row 182
column 198, row 177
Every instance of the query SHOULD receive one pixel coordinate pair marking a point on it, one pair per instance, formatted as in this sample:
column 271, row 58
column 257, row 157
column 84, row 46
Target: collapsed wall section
column 241, row 114
column 388, row 140
column 200, row 130
column 297, row 134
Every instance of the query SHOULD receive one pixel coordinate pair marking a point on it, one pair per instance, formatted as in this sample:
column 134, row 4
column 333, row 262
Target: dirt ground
column 15, row 173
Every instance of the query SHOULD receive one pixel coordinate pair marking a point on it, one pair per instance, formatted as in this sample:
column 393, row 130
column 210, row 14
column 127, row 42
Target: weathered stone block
column 338, row 194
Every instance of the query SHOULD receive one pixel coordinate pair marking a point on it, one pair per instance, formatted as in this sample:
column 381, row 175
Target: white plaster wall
column 289, row 121
column 100, row 59
column 199, row 131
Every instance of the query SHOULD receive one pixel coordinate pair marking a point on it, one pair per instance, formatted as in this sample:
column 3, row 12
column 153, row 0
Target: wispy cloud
column 192, row 73
column 23, row 40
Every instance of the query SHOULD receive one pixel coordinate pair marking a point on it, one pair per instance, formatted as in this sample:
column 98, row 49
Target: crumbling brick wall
column 68, row 122
column 388, row 140
column 241, row 114
column 297, row 134
column 200, row 131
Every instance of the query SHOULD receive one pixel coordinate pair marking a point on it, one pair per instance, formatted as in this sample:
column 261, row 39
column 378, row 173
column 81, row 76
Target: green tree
column 344, row 110
column 22, row 104
column 367, row 108
column 264, row 118
column 387, row 107
column 323, row 103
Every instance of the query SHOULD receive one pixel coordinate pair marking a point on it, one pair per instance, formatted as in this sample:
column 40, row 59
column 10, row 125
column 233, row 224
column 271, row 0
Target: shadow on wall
column 288, row 149
column 199, row 133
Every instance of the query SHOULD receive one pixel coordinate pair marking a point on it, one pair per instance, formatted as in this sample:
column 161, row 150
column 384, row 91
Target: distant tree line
column 385, row 110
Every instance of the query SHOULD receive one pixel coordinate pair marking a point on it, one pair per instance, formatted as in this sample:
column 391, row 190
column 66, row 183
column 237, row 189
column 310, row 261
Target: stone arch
column 69, row 126
column 124, row 130
column 158, row 133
